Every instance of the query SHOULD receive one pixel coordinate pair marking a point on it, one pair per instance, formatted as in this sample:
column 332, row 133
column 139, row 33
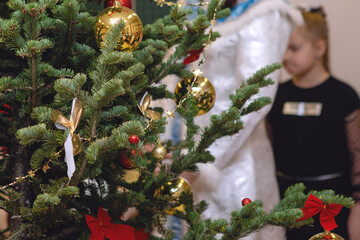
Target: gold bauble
column 328, row 235
column 202, row 90
column 175, row 191
column 159, row 152
column 131, row 176
column 132, row 32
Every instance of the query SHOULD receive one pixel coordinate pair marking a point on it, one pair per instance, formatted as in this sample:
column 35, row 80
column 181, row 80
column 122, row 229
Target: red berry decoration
column 246, row 201
column 134, row 139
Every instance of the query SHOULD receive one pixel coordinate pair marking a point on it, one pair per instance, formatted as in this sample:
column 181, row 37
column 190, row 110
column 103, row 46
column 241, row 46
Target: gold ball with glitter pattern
column 202, row 90
column 175, row 190
column 159, row 152
column 132, row 33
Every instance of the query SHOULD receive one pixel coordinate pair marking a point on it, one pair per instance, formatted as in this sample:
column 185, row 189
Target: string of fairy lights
column 170, row 114
column 32, row 173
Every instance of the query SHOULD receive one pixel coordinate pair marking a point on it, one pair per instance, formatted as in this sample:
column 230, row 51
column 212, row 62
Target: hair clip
column 318, row 10
column 315, row 8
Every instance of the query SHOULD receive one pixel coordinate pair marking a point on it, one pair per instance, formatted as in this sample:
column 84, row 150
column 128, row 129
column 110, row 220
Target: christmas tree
column 63, row 95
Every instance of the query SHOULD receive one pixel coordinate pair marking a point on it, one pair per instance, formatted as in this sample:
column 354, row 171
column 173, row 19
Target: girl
column 315, row 121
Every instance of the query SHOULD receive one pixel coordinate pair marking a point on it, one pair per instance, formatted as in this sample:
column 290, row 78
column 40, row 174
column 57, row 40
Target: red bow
column 194, row 55
column 314, row 205
column 125, row 3
column 140, row 234
column 102, row 227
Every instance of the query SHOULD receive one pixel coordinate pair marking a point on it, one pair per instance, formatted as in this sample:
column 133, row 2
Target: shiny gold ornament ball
column 175, row 190
column 202, row 90
column 132, row 33
column 326, row 236
column 159, row 152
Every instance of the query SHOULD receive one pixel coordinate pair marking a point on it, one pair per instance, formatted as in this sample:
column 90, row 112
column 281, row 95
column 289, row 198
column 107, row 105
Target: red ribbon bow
column 194, row 55
column 124, row 3
column 140, row 234
column 314, row 205
column 102, row 227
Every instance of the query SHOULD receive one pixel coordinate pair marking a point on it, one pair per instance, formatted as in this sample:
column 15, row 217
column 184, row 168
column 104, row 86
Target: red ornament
column 3, row 152
column 5, row 109
column 246, row 201
column 102, row 227
column 126, row 162
column 108, row 3
column 194, row 55
column 314, row 205
column 133, row 139
column 124, row 3
column 126, row 157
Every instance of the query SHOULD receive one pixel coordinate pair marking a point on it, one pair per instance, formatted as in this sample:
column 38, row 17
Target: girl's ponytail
column 317, row 26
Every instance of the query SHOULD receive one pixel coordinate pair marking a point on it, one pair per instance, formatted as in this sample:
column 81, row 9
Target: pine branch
column 110, row 85
column 252, row 217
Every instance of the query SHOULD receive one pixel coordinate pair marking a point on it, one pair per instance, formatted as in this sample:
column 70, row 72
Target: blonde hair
column 317, row 27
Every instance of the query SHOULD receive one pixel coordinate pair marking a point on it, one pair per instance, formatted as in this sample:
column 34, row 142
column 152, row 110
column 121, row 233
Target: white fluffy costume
column 244, row 165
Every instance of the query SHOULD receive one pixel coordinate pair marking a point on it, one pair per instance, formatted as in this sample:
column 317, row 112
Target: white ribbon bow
column 73, row 143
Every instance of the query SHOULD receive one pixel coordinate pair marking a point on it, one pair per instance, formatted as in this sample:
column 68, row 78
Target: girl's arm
column 352, row 123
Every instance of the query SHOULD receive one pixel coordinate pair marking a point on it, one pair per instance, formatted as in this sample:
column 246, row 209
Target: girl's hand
column 353, row 222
